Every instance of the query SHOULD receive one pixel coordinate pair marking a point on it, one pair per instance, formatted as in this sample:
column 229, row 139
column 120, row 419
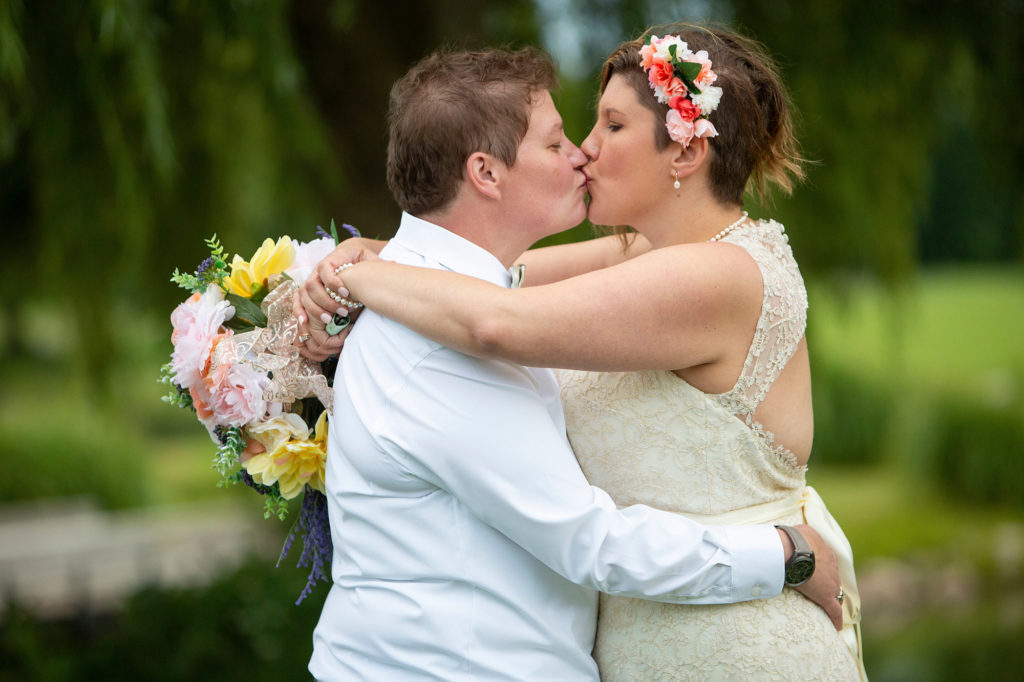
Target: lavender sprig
column 314, row 526
column 333, row 234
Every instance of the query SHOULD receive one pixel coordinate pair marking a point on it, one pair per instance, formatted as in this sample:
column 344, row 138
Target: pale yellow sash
column 817, row 516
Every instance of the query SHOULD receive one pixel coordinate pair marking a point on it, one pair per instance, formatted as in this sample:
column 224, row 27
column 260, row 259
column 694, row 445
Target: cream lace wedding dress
column 651, row 438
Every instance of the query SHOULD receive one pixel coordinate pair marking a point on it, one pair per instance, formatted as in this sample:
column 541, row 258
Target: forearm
column 555, row 263
column 452, row 309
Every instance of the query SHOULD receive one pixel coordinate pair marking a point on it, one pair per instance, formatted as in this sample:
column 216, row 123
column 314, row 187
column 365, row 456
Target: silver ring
column 841, row 596
column 305, row 337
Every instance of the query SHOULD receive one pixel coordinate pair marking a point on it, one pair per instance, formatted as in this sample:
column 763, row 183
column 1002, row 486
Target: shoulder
column 712, row 273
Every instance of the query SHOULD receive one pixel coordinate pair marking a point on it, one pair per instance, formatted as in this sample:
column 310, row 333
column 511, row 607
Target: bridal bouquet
column 265, row 406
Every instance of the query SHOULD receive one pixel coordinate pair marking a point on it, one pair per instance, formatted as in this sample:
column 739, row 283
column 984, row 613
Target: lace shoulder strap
column 783, row 314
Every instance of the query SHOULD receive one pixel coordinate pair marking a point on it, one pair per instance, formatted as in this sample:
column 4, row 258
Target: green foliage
column 852, row 417
column 176, row 396
column 99, row 460
column 976, row 450
column 243, row 627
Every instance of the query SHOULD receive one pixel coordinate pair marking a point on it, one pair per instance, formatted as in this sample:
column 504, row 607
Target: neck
column 483, row 228
column 686, row 217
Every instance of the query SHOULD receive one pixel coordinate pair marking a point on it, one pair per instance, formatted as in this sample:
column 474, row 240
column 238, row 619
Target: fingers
column 823, row 587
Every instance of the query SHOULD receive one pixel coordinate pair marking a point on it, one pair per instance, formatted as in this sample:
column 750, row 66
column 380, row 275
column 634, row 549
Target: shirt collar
column 450, row 251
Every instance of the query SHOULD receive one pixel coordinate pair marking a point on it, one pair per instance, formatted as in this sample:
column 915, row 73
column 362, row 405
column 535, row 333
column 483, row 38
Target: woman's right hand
column 313, row 306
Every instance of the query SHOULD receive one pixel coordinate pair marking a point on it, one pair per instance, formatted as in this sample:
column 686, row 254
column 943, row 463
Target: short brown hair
column 452, row 104
column 755, row 143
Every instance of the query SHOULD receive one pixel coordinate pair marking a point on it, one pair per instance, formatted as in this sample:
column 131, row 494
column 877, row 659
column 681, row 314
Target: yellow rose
column 269, row 259
column 294, row 463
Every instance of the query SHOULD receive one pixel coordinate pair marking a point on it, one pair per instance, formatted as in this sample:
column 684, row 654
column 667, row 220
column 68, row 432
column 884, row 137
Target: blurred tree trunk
column 353, row 50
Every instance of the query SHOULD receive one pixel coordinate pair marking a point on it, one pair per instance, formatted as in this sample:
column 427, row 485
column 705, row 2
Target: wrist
column 800, row 562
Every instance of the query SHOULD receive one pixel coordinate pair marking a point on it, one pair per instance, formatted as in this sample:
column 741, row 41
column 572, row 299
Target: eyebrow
column 608, row 111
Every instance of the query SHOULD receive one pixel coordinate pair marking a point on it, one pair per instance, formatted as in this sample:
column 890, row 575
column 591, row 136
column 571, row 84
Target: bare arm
column 668, row 309
column 555, row 263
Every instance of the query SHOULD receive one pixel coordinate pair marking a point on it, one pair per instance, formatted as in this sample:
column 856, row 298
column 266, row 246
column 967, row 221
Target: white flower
column 307, row 256
column 708, row 99
column 661, row 48
column 660, row 93
column 275, row 432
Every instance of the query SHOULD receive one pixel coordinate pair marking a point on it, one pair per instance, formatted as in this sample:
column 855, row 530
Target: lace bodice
column 642, row 436
column 783, row 316
column 651, row 438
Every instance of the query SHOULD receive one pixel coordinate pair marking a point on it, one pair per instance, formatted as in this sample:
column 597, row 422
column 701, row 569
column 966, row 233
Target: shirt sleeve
column 487, row 438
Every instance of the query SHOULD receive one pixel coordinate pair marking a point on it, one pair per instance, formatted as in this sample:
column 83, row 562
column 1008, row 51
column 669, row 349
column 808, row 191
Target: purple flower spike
column 314, row 526
column 321, row 233
column 351, row 230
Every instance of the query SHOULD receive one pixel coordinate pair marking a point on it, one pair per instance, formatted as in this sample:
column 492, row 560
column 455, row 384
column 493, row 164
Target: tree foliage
column 132, row 129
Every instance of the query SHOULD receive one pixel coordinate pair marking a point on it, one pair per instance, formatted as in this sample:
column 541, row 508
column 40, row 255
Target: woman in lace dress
column 687, row 384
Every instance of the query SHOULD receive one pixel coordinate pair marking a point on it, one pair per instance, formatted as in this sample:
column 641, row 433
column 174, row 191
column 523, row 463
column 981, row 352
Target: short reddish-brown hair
column 755, row 145
column 452, row 104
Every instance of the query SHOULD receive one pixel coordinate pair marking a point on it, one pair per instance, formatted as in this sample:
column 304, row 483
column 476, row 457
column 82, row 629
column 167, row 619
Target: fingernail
column 343, row 311
column 325, row 318
column 301, row 320
column 342, row 291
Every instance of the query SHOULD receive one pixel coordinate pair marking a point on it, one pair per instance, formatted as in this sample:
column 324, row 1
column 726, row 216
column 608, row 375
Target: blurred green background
column 131, row 130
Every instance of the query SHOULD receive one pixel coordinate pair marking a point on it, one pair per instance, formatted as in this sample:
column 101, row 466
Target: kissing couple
column 640, row 512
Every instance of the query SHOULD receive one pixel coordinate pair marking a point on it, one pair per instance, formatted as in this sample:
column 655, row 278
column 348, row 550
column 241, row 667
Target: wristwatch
column 800, row 565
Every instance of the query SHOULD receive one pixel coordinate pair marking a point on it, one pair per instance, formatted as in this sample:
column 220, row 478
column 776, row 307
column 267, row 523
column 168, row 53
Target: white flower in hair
column 661, row 50
column 708, row 99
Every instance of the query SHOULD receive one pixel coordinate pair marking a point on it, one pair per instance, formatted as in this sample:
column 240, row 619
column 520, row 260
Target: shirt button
column 755, row 591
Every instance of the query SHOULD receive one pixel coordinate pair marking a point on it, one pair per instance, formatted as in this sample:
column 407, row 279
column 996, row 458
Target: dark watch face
column 799, row 571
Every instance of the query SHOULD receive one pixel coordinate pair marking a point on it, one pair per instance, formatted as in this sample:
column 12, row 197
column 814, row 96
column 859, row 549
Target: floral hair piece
column 682, row 79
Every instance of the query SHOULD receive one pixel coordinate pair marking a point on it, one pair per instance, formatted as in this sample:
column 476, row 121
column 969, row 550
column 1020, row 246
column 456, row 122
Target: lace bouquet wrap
column 236, row 366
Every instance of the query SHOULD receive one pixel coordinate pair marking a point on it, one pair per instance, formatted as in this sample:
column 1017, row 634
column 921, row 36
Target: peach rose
column 646, row 57
column 661, row 74
column 706, row 75
column 685, row 107
column 675, row 88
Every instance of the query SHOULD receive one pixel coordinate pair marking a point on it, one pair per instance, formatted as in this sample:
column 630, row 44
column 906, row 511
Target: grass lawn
column 951, row 329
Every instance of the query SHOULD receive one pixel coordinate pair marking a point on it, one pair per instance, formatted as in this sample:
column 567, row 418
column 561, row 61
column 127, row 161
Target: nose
column 576, row 155
column 590, row 147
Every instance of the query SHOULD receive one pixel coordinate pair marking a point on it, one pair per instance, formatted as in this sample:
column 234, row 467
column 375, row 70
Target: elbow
column 489, row 336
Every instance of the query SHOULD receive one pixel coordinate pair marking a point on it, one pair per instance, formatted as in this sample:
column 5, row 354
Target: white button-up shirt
column 467, row 543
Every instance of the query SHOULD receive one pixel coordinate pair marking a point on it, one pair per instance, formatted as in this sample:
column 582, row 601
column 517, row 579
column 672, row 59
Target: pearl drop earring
column 676, row 183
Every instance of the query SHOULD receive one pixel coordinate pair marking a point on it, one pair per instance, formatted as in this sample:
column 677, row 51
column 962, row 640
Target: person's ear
column 485, row 174
column 688, row 160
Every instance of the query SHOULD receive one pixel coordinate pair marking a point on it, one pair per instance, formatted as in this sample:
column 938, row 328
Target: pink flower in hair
column 706, row 75
column 661, row 74
column 704, row 128
column 646, row 57
column 679, row 129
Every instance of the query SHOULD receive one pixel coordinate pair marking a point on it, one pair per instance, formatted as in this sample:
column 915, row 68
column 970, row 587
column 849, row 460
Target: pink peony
column 237, row 392
column 196, row 323
column 679, row 129
column 307, row 255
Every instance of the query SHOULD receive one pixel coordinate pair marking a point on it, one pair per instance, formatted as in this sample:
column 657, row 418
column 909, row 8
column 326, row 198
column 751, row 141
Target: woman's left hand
column 314, row 306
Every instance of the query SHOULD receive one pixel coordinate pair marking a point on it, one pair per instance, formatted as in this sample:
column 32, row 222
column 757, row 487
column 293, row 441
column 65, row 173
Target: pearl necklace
column 718, row 237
